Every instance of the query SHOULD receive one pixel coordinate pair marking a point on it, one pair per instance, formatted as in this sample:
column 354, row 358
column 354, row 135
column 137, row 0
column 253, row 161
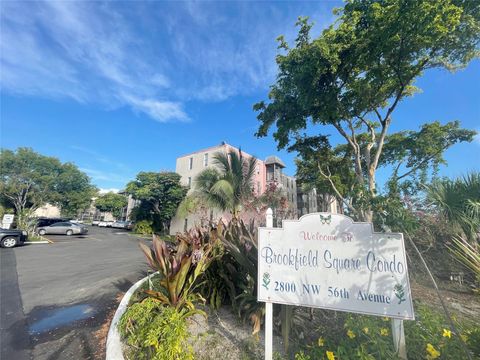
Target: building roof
column 274, row 160
column 223, row 145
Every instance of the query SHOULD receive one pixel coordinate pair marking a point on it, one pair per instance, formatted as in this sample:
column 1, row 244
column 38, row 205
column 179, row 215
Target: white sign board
column 328, row 261
column 7, row 221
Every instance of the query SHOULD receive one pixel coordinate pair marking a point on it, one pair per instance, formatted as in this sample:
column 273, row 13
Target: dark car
column 63, row 227
column 11, row 238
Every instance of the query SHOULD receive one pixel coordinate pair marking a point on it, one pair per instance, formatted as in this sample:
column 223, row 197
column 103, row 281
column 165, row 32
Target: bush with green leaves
column 155, row 332
column 181, row 266
column 233, row 275
column 143, row 227
column 369, row 337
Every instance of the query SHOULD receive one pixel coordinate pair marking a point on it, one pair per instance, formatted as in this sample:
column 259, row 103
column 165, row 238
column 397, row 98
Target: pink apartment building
column 190, row 165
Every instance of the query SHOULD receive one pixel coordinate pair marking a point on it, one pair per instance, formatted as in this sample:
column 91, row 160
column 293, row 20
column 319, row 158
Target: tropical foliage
column 458, row 202
column 155, row 332
column 233, row 275
column 180, row 265
column 369, row 337
column 228, row 186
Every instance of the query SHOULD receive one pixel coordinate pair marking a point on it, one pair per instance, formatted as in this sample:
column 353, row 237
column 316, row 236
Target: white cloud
column 104, row 191
column 162, row 111
column 152, row 57
column 82, row 51
column 477, row 137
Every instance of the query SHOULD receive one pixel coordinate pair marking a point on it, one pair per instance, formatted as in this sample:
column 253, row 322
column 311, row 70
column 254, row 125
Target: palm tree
column 458, row 202
column 228, row 185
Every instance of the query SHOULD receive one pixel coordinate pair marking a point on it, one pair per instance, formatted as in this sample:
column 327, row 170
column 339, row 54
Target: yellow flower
column 464, row 337
column 447, row 333
column 330, row 355
column 321, row 341
column 384, row 332
column 365, row 330
column 432, row 352
column 350, row 334
column 385, row 318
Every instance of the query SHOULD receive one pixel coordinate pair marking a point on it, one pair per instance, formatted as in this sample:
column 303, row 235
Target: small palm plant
column 180, row 267
column 228, row 185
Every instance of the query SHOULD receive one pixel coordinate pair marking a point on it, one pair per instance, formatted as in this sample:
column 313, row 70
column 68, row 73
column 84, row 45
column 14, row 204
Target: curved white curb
column 114, row 345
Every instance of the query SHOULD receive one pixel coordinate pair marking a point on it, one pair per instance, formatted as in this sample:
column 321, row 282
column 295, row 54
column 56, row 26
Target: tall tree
column 28, row 180
column 228, row 185
column 353, row 77
column 111, row 202
column 160, row 193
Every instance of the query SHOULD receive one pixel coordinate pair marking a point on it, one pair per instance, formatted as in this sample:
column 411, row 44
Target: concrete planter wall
column 114, row 345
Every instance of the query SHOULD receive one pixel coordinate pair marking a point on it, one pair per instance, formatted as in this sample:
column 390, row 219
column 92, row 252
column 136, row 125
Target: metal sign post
column 269, row 308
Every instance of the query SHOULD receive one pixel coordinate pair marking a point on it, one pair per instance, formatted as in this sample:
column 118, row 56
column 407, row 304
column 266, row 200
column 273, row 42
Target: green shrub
column 155, row 332
column 233, row 274
column 181, row 266
column 369, row 337
column 144, row 227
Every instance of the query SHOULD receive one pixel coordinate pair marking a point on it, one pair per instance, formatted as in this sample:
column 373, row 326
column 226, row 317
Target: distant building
column 311, row 201
column 267, row 172
column 48, row 211
column 190, row 165
column 288, row 184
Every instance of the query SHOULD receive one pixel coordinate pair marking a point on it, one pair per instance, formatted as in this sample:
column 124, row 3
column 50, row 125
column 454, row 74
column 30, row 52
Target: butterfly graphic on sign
column 326, row 219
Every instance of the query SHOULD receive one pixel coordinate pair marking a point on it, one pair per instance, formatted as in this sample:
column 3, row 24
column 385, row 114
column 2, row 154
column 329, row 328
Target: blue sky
column 123, row 87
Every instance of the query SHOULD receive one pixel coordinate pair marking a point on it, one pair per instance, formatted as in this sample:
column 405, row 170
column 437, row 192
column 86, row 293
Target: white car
column 102, row 224
column 95, row 222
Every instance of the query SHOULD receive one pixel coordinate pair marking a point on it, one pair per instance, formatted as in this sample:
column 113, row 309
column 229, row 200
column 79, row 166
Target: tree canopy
column 111, row 202
column 160, row 194
column 28, row 180
column 354, row 76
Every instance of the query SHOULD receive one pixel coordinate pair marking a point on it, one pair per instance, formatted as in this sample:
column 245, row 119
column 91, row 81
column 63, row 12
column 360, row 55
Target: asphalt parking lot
column 56, row 298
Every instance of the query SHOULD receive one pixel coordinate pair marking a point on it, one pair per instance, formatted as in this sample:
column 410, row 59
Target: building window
column 189, row 182
column 205, row 159
column 190, row 163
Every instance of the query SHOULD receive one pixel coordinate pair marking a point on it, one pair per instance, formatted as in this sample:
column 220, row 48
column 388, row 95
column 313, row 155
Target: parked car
column 109, row 223
column 123, row 225
column 65, row 227
column 102, row 224
column 95, row 222
column 10, row 238
column 43, row 221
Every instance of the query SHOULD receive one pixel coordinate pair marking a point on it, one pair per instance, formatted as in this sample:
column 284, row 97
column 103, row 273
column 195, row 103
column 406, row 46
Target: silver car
column 66, row 228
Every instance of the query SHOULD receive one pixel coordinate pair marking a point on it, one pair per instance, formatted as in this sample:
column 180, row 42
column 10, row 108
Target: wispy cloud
column 96, row 156
column 83, row 51
column 477, row 137
column 152, row 57
column 101, row 175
